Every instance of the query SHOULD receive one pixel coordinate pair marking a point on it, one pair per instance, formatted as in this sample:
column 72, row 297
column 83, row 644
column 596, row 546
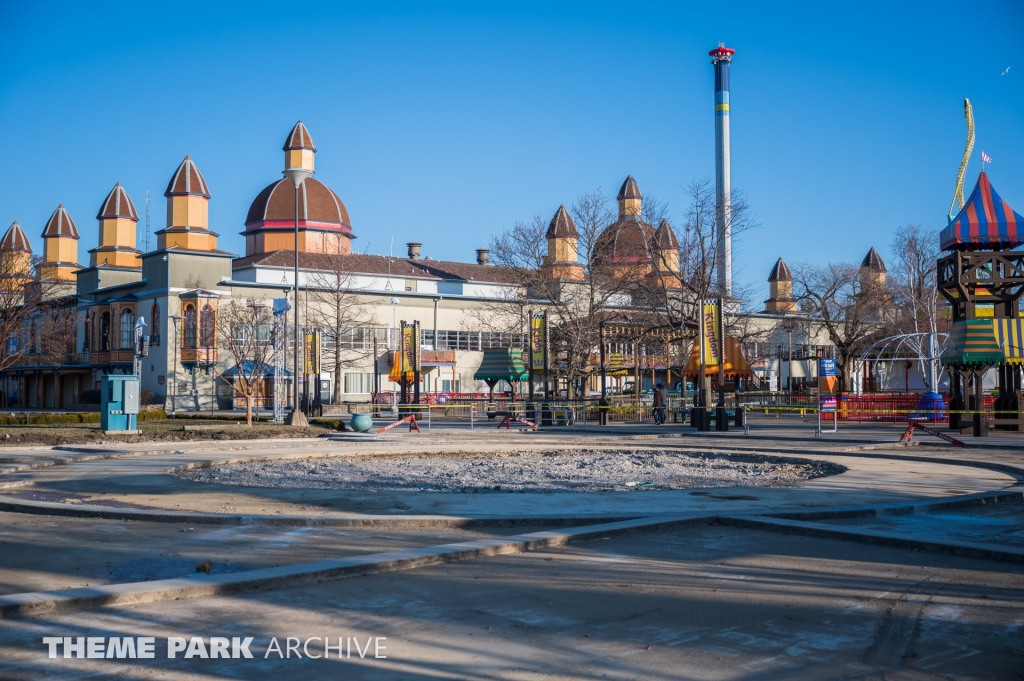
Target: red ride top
column 722, row 52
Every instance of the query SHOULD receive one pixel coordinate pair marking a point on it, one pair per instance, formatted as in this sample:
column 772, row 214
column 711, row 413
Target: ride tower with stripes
column 982, row 278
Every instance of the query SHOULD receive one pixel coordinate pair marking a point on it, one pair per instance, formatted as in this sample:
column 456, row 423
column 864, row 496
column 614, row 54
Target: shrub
column 150, row 397
column 333, row 424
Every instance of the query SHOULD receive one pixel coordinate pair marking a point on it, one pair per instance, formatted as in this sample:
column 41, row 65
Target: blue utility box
column 120, row 403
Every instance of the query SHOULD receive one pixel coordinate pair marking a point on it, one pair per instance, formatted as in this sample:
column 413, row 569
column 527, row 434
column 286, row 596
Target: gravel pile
column 566, row 470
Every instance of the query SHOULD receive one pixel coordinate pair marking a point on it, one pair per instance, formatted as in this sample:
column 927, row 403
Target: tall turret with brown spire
column 872, row 271
column 630, row 199
column 562, row 260
column 188, row 219
column 15, row 258
column 665, row 250
column 117, row 218
column 299, row 149
column 780, row 282
column 60, row 247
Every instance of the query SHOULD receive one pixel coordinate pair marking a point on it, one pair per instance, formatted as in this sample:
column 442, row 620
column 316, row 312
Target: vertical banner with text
column 312, row 353
column 410, row 347
column 712, row 342
column 538, row 342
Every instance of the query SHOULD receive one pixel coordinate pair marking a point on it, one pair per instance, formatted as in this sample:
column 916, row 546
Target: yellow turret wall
column 299, row 158
column 117, row 244
column 629, row 207
column 187, row 224
column 60, row 259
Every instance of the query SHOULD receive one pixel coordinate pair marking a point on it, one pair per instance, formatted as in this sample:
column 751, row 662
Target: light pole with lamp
column 175, row 318
column 788, row 326
column 395, row 358
column 296, row 417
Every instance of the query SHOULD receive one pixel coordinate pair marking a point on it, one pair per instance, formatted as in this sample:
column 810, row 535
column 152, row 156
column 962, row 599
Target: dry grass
column 169, row 430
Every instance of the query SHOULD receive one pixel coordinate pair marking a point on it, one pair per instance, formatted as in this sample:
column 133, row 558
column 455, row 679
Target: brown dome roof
column 873, row 262
column 561, row 225
column 299, row 138
column 187, row 180
column 15, row 240
column 629, row 190
column 780, row 272
column 665, row 237
column 317, row 203
column 117, row 205
column 627, row 240
column 60, row 224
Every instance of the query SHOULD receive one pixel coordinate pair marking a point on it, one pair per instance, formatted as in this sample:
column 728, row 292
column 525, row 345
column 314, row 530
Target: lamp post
column 296, row 417
column 394, row 358
column 174, row 368
column 788, row 326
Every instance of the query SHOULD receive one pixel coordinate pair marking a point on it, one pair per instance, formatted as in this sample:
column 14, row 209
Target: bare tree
column 25, row 306
column 844, row 306
column 246, row 329
column 575, row 307
column 675, row 294
column 913, row 285
column 335, row 307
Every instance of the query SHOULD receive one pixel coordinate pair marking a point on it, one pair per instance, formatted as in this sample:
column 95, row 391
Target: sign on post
column 827, row 384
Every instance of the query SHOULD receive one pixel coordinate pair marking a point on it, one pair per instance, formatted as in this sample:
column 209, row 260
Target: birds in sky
column 1005, row 72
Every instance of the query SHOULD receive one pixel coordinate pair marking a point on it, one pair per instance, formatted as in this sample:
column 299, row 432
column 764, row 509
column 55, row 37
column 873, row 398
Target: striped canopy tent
column 985, row 222
column 735, row 363
column 502, row 364
column 1010, row 336
column 974, row 342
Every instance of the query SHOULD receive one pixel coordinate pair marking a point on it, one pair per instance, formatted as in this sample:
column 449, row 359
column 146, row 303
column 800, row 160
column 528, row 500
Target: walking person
column 660, row 400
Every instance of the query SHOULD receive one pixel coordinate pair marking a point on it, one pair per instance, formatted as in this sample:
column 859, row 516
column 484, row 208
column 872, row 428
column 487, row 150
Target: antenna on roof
column 147, row 221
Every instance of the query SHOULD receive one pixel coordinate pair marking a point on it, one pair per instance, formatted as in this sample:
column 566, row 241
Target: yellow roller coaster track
column 958, row 195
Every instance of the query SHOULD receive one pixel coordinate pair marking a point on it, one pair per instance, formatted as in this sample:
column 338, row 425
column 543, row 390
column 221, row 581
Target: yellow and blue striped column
column 721, row 58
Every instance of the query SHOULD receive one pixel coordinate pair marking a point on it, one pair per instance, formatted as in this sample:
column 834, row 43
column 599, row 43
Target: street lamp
column 788, row 326
column 174, row 368
column 296, row 417
column 394, row 358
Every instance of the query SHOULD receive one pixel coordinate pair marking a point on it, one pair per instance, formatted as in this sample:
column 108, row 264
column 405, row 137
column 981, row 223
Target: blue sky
column 446, row 123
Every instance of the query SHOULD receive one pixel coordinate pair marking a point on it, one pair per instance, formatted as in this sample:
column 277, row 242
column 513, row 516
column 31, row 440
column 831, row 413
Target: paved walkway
column 595, row 615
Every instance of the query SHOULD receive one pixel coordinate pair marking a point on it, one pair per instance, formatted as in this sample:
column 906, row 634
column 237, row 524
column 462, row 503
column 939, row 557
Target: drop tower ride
column 721, row 58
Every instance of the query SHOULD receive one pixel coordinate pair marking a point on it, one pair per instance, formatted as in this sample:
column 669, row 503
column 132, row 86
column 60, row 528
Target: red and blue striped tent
column 985, row 222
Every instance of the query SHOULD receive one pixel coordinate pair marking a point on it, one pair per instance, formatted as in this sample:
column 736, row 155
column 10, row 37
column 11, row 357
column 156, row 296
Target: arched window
column 154, row 325
column 127, row 329
column 32, row 348
column 104, row 332
column 207, row 328
column 188, row 339
column 87, row 340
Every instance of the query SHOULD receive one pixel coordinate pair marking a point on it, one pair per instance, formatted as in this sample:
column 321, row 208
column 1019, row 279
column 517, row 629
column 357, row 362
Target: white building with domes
column 179, row 286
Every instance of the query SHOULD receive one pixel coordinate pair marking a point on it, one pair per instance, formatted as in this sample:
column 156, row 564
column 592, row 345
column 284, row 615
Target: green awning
column 502, row 364
column 974, row 343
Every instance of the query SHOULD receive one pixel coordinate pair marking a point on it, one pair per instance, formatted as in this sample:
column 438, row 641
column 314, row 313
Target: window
column 32, row 338
column 358, row 383
column 127, row 329
column 207, row 328
column 154, row 325
column 105, row 332
column 188, row 339
column 87, row 340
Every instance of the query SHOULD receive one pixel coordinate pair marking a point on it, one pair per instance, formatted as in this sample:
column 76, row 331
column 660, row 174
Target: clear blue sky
column 445, row 123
